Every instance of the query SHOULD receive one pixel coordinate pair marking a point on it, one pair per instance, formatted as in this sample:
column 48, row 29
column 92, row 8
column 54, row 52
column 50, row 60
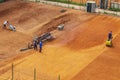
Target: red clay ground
column 78, row 52
column 104, row 67
column 24, row 17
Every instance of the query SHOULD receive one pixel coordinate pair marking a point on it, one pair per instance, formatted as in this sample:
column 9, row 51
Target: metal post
column 117, row 7
column 12, row 72
column 85, row 6
column 110, row 4
column 57, row 3
column 34, row 74
column 80, row 4
column 68, row 3
column 59, row 77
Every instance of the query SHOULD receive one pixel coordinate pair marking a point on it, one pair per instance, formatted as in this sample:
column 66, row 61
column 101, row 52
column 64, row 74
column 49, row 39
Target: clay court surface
column 77, row 53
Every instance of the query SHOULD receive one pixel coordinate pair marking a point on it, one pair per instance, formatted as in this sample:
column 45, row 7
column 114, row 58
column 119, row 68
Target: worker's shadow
column 43, row 54
column 4, row 29
column 112, row 46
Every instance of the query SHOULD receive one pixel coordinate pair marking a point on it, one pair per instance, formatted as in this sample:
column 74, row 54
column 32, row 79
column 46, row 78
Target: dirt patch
column 24, row 16
column 52, row 25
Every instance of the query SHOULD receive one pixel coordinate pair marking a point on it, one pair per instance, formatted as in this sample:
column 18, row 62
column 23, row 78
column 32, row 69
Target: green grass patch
column 114, row 9
column 106, row 13
column 68, row 2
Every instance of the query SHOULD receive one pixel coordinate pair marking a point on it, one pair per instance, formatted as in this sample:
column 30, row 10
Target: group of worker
column 35, row 43
column 11, row 27
column 40, row 43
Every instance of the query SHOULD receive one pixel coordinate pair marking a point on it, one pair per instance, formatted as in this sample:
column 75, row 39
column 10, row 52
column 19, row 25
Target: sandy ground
column 77, row 53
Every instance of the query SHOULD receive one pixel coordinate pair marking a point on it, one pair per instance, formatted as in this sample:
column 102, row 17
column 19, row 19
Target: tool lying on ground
column 63, row 10
column 43, row 38
column 24, row 49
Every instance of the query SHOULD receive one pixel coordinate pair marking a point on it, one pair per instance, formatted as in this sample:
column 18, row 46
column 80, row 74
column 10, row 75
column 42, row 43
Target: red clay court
column 77, row 53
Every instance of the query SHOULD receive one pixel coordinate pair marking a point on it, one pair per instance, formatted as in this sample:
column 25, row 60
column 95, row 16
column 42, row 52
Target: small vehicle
column 109, row 43
column 45, row 37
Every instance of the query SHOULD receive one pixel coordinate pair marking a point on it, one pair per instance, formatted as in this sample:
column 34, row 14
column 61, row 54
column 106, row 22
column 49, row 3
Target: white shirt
column 5, row 22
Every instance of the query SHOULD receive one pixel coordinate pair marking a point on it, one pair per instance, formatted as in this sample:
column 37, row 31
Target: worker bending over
column 5, row 24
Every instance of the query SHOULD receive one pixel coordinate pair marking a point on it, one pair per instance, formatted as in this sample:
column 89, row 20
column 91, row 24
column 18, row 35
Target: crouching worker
column 30, row 45
column 12, row 28
column 109, row 41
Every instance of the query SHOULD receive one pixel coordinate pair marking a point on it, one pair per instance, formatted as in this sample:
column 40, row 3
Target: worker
column 30, row 45
column 35, row 45
column 5, row 24
column 40, row 46
column 109, row 41
column 12, row 28
column 110, row 36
